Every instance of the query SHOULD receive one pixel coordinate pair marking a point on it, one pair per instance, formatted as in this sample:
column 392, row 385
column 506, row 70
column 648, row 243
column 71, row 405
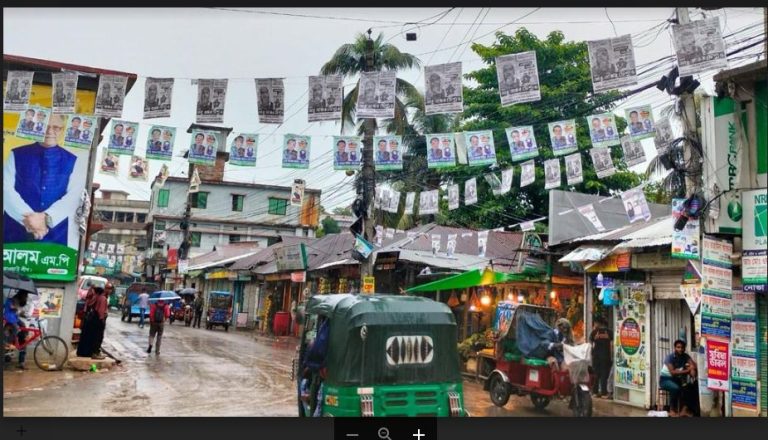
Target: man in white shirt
column 143, row 305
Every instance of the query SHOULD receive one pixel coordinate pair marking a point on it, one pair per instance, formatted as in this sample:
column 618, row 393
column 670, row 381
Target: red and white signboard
column 718, row 368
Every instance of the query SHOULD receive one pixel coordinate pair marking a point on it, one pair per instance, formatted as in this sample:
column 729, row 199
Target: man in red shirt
column 159, row 311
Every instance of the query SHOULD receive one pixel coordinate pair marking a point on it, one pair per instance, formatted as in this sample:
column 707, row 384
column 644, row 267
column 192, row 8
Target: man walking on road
column 158, row 312
column 198, row 310
column 143, row 306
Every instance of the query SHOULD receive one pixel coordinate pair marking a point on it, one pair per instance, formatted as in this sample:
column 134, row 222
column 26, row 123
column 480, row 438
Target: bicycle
column 50, row 352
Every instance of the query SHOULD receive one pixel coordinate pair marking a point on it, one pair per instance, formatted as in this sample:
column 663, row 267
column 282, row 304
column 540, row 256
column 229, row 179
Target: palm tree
column 349, row 60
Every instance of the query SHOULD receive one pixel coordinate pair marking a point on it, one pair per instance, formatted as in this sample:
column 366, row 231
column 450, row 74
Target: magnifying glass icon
column 384, row 434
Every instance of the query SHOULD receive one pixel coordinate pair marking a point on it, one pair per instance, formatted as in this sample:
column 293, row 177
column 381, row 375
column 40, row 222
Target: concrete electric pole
column 688, row 109
column 369, row 170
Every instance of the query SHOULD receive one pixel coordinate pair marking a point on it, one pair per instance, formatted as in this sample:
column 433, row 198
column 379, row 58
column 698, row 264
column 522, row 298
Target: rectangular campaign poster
column 573, row 170
column 271, row 101
column 664, row 135
column 603, row 131
column 32, row 123
column 410, row 199
column 158, row 93
column 441, row 151
column 203, row 149
column 685, row 243
column 522, row 143
column 640, row 122
column 80, row 131
column 518, row 77
column 699, row 46
column 480, row 147
column 110, row 162
column 428, row 202
column 634, row 153
column 122, row 137
column 18, row 90
column 324, row 98
column 211, row 98
column 349, row 152
column 552, row 173
column 111, row 96
column 376, row 98
column 470, row 192
column 160, row 140
column 444, row 93
column 243, row 150
column 562, row 137
column 635, row 205
column 453, row 197
column 602, row 161
column 49, row 253
column 139, row 169
column 64, row 91
column 527, row 173
column 612, row 62
column 506, row 181
column 388, row 153
column 296, row 151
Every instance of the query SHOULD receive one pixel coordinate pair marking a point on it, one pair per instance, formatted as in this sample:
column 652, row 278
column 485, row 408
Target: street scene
column 338, row 229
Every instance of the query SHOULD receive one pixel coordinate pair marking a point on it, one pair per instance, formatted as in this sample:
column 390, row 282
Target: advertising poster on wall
column 685, row 243
column 718, row 373
column 631, row 361
column 754, row 260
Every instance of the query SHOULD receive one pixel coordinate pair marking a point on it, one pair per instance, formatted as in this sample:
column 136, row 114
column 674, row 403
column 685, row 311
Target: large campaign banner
column 43, row 183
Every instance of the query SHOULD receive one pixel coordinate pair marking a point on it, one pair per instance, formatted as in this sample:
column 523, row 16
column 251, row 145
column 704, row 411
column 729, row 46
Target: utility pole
column 369, row 170
column 688, row 108
column 185, row 224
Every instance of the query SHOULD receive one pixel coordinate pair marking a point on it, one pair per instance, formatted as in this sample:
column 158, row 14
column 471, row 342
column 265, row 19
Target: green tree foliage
column 330, row 226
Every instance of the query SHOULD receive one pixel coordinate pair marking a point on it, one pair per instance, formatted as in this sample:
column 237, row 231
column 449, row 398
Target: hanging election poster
column 640, row 122
column 161, row 139
column 451, row 245
column 482, row 243
column 110, row 97
column 699, row 46
column 470, row 192
column 436, row 239
column 428, row 202
column 122, row 137
column 480, row 147
column 377, row 95
column 271, row 100
column 348, row 152
column 325, row 98
column 562, row 136
column 634, row 153
column 522, row 143
column 110, row 162
column 601, row 160
column 297, row 192
column 506, row 182
column 518, row 77
column 410, row 199
column 493, row 182
column 296, row 151
column 211, row 99
column 18, row 89
column 552, row 173
column 158, row 93
column 612, row 62
column 244, row 149
column 389, row 155
column 441, row 152
column 139, row 169
column 453, row 197
column 588, row 211
column 64, row 92
column 527, row 173
column 33, row 123
column 573, row 170
column 635, row 204
column 685, row 243
column 80, row 131
column 203, row 148
column 444, row 93
column 663, row 136
column 603, row 131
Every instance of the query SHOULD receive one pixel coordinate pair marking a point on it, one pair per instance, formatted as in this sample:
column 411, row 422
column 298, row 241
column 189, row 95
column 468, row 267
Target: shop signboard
column 744, row 306
column 717, row 252
column 718, row 372
column 369, row 285
column 715, row 326
column 620, row 262
column 291, row 257
column 754, row 260
column 656, row 261
column 744, row 338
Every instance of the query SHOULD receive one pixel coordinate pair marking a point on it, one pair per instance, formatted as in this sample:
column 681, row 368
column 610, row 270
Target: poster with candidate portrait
column 664, row 135
column 552, row 177
column 388, row 152
column 522, row 143
column 271, row 101
column 203, row 148
column 296, row 151
column 122, row 137
column 243, row 150
column 348, row 152
column 518, row 77
column 158, row 94
column 635, row 204
column 211, row 98
column 18, row 90
column 562, row 137
column 441, row 150
column 410, row 199
column 297, row 192
column 33, row 122
column 634, row 153
column 443, row 91
column 139, row 169
column 80, row 131
column 573, row 169
column 612, row 63
column 602, row 161
column 453, row 197
column 160, row 141
column 41, row 235
column 376, row 97
column 640, row 122
column 506, row 182
column 470, row 191
column 428, row 202
column 64, row 92
column 699, row 46
column 527, row 173
column 602, row 130
column 110, row 162
column 110, row 97
column 325, row 98
column 480, row 147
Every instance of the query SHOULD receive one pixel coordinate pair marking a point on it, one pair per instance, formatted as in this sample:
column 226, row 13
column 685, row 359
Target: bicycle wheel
column 51, row 353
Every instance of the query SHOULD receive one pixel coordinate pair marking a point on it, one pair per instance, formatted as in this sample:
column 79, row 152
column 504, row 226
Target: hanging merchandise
column 296, row 151
column 443, row 91
column 64, row 92
column 474, row 302
column 552, row 174
column 635, row 204
column 139, row 169
column 110, row 97
column 470, row 192
column 562, row 136
column 482, row 243
column 453, row 301
column 573, row 170
column 441, row 151
column 663, row 136
column 33, row 123
column 80, row 131
column 699, row 46
column 158, row 94
column 297, row 192
column 410, row 199
column 109, row 162
column 453, row 197
column 588, row 211
column 518, row 77
column 325, row 98
column 389, row 155
column 211, row 98
column 122, row 137
column 602, row 161
column 640, row 122
column 634, row 153
column 18, row 90
column 436, row 239
column 244, row 149
column 428, row 202
column 203, row 150
column 527, row 173
column 612, row 63
column 522, row 143
column 161, row 139
column 506, row 182
column 348, row 153
column 602, row 130
column 271, row 100
column 451, row 245
column 376, row 97
column 480, row 147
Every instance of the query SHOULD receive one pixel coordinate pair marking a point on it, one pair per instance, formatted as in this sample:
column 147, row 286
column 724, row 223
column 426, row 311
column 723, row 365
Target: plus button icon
column 419, row 435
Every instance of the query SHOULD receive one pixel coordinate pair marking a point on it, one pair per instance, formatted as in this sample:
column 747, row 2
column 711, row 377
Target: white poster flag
column 602, row 161
column 451, row 245
column 410, row 198
column 699, row 46
column 482, row 243
column 376, row 98
column 588, row 211
column 271, row 103
column 158, row 94
column 506, row 181
column 18, row 88
column 573, row 169
column 110, row 97
column 211, row 98
column 444, row 93
column 470, row 192
column 428, row 202
column 518, row 77
column 636, row 205
column 453, row 197
column 552, row 173
column 324, row 98
column 634, row 153
column 64, row 92
column 612, row 62
column 664, row 135
column 297, row 192
column 527, row 173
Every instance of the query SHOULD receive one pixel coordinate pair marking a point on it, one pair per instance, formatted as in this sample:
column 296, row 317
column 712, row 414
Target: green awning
column 472, row 278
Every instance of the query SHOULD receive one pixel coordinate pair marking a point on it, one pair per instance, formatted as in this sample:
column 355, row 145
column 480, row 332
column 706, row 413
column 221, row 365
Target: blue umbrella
column 165, row 295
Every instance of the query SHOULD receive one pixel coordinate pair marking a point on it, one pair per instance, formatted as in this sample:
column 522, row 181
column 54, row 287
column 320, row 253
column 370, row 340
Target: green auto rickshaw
column 377, row 355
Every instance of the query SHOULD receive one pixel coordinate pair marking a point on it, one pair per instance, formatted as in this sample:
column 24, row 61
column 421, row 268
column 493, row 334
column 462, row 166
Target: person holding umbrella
column 159, row 311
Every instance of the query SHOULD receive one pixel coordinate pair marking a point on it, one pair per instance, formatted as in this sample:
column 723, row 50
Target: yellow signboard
column 369, row 285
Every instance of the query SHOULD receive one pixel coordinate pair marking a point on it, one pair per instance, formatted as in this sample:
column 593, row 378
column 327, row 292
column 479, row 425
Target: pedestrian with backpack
column 198, row 310
column 159, row 311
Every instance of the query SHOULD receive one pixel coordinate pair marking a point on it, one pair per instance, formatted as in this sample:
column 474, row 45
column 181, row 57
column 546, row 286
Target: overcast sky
column 256, row 43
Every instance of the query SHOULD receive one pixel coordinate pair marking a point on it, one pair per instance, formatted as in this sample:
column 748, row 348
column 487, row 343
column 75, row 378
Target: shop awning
column 586, row 253
column 472, row 278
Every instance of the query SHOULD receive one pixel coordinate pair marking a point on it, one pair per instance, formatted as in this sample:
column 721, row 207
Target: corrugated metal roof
column 653, row 233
